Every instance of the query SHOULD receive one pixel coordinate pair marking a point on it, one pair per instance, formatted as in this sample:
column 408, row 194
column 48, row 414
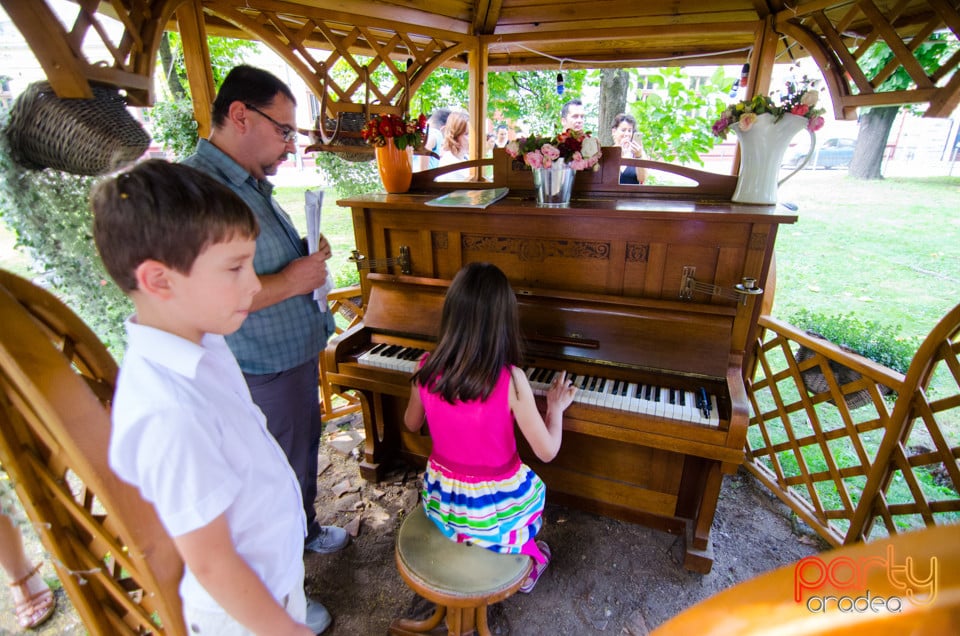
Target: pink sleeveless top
column 476, row 437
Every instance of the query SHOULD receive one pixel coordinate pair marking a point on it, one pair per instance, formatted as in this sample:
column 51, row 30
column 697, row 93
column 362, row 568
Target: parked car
column 835, row 152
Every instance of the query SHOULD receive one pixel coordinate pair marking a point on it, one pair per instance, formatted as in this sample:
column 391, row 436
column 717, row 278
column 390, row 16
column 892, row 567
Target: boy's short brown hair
column 167, row 212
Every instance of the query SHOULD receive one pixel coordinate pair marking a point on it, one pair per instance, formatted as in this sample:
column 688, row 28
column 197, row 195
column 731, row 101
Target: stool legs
column 461, row 621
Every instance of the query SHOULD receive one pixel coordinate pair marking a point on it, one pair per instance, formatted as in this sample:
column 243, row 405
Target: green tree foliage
column 675, row 119
column 530, row 98
column 50, row 213
column 876, row 123
column 172, row 119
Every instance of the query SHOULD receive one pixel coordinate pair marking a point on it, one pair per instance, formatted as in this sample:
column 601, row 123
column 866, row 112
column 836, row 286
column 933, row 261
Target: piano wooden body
column 630, row 287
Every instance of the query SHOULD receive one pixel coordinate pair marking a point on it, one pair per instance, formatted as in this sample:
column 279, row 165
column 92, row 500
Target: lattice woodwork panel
column 850, row 462
column 813, row 447
column 335, row 53
column 920, row 483
column 345, row 302
column 839, row 35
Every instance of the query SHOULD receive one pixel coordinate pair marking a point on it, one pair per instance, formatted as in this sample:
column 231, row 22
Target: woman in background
column 624, row 131
column 456, row 146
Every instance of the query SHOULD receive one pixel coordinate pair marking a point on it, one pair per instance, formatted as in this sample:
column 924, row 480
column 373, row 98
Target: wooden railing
column 851, row 462
column 344, row 302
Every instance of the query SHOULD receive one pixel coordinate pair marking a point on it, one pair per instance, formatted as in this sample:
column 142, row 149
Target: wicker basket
column 815, row 381
column 80, row 136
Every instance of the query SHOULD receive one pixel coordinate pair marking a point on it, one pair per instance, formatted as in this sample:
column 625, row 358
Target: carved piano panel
column 599, row 288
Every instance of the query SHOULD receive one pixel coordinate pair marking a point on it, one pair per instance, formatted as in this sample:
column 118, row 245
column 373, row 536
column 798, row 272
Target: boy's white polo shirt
column 187, row 434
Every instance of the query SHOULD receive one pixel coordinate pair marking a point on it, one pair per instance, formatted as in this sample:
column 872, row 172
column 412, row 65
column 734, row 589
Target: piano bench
column 462, row 580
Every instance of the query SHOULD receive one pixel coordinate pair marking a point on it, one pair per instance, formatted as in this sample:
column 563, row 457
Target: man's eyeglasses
column 287, row 133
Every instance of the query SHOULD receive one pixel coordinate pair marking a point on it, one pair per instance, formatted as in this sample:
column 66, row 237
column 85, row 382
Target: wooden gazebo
column 406, row 41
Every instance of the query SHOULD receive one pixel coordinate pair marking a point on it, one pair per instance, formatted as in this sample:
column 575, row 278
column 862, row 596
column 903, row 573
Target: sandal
column 33, row 610
column 538, row 569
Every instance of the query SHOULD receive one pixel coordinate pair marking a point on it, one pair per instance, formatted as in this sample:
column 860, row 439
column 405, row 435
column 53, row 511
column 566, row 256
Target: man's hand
column 300, row 276
column 305, row 274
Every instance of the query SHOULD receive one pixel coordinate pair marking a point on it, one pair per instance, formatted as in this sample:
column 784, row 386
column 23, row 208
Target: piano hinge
column 403, row 261
column 688, row 285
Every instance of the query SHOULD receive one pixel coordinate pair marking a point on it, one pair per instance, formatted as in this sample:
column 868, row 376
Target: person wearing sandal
column 470, row 390
column 34, row 602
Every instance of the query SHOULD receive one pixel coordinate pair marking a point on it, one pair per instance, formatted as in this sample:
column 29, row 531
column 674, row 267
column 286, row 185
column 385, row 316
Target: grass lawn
column 887, row 251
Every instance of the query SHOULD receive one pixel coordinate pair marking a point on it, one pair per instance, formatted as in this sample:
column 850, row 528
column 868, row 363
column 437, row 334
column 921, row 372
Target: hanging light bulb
column 559, row 83
column 744, row 74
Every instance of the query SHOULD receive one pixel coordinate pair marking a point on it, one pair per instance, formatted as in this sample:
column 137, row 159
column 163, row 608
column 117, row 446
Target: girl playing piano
column 471, row 390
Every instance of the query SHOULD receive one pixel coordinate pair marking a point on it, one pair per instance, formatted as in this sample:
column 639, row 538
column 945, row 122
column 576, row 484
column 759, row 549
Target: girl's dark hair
column 249, row 85
column 167, row 212
column 479, row 336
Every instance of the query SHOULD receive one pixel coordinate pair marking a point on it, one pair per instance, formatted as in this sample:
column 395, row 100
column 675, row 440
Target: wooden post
column 478, row 101
column 196, row 58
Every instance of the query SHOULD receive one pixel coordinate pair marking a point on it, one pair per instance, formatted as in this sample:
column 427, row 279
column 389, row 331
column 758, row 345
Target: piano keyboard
column 634, row 397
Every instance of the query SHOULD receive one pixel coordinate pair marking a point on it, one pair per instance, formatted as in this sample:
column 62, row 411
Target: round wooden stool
column 461, row 580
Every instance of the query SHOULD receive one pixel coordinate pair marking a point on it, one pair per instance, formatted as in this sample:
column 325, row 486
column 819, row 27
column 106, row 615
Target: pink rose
column 746, row 121
column 815, row 124
column 800, row 109
column 513, row 148
column 533, row 159
column 550, row 152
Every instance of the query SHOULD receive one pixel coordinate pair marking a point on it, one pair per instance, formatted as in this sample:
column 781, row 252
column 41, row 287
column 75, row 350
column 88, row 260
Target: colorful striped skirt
column 502, row 513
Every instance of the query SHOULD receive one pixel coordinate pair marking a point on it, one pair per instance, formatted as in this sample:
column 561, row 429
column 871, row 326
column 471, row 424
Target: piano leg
column 380, row 442
column 699, row 549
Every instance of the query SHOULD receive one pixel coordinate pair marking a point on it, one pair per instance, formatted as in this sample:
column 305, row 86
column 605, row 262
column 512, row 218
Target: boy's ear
column 153, row 278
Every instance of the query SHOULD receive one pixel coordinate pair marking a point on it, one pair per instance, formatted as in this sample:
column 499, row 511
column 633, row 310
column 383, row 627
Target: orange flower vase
column 396, row 167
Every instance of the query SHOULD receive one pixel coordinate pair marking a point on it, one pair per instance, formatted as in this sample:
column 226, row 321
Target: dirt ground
column 606, row 577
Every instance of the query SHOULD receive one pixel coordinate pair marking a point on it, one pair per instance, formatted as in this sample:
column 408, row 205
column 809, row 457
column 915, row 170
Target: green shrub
column 50, row 213
column 175, row 128
column 880, row 343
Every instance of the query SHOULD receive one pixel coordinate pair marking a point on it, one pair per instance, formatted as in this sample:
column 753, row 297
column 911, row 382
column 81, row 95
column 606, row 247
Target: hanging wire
column 635, row 61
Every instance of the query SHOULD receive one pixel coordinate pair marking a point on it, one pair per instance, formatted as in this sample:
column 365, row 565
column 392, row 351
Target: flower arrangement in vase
column 800, row 98
column 402, row 130
column 764, row 129
column 394, row 138
column 573, row 149
column 554, row 160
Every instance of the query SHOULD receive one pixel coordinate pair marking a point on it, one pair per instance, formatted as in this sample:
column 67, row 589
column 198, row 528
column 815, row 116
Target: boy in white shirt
column 185, row 431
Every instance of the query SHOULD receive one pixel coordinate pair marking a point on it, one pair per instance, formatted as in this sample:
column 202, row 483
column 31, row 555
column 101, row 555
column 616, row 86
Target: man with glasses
column 254, row 129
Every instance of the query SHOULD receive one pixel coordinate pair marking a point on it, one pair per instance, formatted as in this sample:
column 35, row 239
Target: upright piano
column 648, row 296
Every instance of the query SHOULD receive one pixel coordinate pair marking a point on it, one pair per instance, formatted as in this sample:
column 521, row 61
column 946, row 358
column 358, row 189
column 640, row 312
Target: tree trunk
column 169, row 72
column 614, row 84
column 875, row 125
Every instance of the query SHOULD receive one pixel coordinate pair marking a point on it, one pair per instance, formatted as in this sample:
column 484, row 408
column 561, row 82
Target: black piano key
column 673, row 396
column 648, row 392
column 656, row 394
column 682, row 399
